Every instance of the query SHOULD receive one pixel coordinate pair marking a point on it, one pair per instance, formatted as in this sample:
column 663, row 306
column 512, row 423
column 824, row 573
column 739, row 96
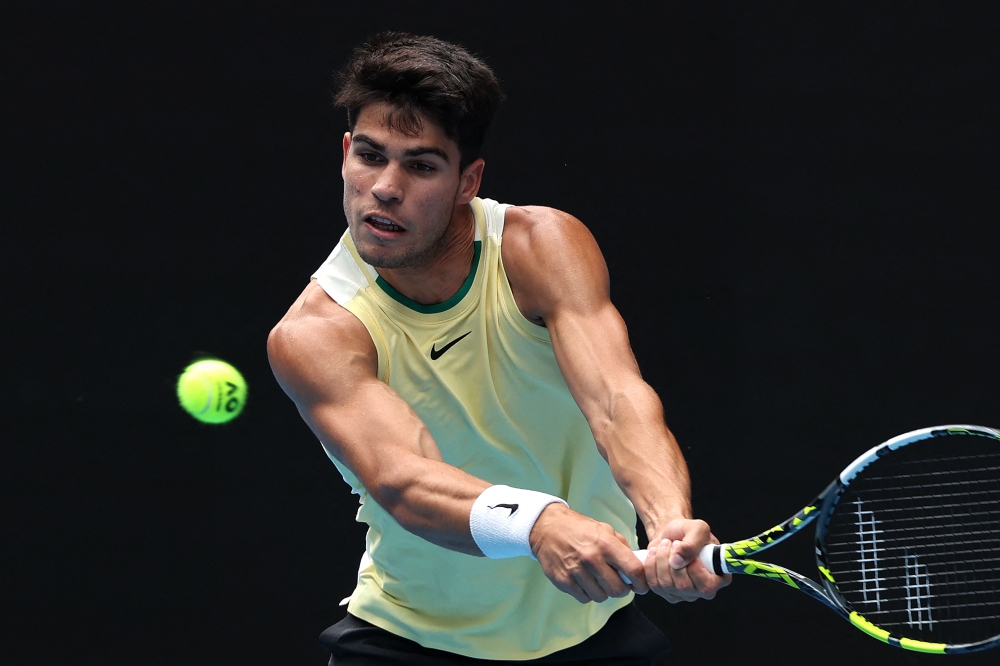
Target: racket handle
column 706, row 556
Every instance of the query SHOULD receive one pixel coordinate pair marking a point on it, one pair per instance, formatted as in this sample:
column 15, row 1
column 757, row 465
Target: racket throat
column 712, row 559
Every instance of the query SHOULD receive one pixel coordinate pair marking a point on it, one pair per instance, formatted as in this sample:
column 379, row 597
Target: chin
column 382, row 259
column 408, row 256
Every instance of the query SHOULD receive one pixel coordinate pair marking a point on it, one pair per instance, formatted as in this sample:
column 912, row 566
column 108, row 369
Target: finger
column 585, row 579
column 659, row 574
column 664, row 573
column 607, row 576
column 649, row 566
column 686, row 550
column 636, row 574
column 705, row 580
column 684, row 586
column 575, row 591
column 611, row 573
column 673, row 584
column 719, row 582
column 658, row 584
column 631, row 569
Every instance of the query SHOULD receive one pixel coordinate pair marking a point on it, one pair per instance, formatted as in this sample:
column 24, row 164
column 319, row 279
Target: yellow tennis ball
column 212, row 391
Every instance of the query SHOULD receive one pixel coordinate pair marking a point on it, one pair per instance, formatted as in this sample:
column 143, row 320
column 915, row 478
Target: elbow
column 276, row 349
column 624, row 410
column 390, row 489
column 618, row 407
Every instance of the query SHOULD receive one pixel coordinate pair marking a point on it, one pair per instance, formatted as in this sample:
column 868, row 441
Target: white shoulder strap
column 340, row 276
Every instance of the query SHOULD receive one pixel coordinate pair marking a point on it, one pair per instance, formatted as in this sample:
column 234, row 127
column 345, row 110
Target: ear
column 469, row 182
column 347, row 149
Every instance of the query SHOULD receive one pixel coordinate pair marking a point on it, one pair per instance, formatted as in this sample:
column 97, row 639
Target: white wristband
column 502, row 518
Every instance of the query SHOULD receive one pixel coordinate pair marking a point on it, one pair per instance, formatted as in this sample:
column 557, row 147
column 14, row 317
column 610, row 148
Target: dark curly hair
column 416, row 75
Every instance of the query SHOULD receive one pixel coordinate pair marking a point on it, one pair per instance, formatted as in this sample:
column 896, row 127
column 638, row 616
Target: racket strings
column 947, row 507
column 964, row 472
column 971, row 524
column 914, row 541
column 936, row 496
column 887, row 577
column 965, row 457
column 933, row 540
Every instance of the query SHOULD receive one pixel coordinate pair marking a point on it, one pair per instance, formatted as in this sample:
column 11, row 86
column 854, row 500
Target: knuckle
column 607, row 535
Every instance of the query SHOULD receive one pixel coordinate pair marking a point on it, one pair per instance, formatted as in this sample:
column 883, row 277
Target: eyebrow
column 410, row 152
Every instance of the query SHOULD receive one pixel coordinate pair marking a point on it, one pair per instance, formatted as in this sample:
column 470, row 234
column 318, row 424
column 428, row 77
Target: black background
column 798, row 206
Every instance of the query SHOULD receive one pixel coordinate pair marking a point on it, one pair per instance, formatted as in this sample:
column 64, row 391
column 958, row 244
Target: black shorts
column 628, row 639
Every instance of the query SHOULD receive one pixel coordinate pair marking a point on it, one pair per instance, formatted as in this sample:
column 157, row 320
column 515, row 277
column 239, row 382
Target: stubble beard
column 411, row 257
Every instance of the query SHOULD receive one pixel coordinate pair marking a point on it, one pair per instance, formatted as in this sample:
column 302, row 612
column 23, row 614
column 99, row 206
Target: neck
column 445, row 274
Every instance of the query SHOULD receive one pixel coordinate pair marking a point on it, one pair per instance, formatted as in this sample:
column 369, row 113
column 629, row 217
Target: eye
column 422, row 166
column 370, row 157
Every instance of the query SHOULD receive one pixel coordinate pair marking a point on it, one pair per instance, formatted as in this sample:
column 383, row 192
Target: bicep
column 369, row 428
column 563, row 279
column 592, row 348
column 328, row 370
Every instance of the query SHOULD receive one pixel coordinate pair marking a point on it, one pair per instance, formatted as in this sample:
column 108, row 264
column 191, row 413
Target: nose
column 387, row 186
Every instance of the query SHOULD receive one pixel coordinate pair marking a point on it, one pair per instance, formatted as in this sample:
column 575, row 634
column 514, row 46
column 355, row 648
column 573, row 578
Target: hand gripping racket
column 907, row 542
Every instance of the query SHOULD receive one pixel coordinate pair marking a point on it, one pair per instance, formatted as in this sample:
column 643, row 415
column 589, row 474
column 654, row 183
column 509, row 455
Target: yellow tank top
column 485, row 381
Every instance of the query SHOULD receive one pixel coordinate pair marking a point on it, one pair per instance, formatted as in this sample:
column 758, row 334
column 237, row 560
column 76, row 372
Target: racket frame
column 732, row 557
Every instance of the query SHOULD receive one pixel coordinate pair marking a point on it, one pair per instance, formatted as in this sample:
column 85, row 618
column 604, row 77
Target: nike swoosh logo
column 436, row 353
column 512, row 507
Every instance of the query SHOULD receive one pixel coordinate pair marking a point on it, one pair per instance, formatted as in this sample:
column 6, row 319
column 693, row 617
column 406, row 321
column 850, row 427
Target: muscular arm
column 559, row 277
column 325, row 360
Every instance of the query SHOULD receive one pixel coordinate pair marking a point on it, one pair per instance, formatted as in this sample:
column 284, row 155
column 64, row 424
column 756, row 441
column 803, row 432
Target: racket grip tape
column 710, row 556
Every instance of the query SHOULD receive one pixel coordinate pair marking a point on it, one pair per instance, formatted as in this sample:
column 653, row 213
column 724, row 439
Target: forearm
column 400, row 465
column 431, row 499
column 395, row 458
column 644, row 456
column 457, row 511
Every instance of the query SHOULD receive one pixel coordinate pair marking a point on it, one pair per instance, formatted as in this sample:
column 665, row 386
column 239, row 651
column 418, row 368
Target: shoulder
column 315, row 342
column 550, row 256
column 527, row 227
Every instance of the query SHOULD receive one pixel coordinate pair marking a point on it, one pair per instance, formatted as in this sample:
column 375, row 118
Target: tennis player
column 463, row 366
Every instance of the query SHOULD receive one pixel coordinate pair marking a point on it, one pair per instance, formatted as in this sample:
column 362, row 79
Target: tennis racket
column 907, row 542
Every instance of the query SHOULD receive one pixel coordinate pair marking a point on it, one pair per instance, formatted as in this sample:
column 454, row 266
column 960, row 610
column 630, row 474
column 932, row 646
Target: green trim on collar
column 437, row 307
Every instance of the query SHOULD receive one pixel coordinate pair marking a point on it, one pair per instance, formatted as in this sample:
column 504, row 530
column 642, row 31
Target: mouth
column 383, row 227
column 383, row 223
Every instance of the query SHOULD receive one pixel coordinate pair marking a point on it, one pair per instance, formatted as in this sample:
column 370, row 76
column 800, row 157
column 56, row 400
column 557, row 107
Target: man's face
column 399, row 191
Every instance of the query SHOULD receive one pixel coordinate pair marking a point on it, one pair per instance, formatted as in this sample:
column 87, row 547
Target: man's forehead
column 385, row 124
